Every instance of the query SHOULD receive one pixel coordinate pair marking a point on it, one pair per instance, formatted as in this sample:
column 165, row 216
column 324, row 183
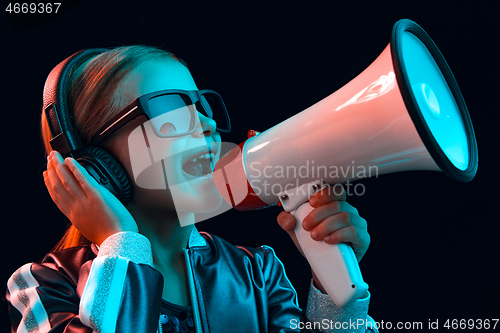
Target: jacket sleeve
column 352, row 318
column 119, row 291
column 321, row 315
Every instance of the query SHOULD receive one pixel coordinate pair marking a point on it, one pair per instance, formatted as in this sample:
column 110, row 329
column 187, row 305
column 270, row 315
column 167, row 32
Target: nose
column 208, row 125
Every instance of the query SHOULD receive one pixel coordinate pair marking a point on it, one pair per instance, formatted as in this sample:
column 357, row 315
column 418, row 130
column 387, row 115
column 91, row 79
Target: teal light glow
column 436, row 101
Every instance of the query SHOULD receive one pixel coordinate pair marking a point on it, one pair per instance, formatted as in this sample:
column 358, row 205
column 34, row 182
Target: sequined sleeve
column 122, row 288
column 83, row 290
column 323, row 312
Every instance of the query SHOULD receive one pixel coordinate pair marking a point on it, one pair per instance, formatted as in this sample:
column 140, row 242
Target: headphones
column 67, row 140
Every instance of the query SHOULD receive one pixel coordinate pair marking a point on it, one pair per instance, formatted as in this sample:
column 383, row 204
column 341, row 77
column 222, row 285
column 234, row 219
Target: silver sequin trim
column 320, row 306
column 130, row 245
column 29, row 319
column 101, row 294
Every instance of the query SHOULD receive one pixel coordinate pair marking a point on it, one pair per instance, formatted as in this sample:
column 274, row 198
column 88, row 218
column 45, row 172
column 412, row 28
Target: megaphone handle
column 335, row 266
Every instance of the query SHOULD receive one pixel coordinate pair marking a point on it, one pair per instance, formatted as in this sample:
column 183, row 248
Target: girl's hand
column 332, row 221
column 90, row 207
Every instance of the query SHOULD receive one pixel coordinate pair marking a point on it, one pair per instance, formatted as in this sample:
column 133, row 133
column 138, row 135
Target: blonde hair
column 95, row 95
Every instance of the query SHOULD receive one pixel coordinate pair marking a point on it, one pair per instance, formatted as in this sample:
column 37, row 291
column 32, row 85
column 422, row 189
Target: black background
column 434, row 250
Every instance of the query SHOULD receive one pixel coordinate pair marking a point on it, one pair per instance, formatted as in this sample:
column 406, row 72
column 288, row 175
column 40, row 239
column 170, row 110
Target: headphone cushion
column 112, row 169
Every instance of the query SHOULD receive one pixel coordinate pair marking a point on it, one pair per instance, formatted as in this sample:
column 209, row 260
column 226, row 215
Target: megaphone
column 404, row 112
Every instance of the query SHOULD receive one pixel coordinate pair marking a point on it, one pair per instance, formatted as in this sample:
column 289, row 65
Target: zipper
column 192, row 292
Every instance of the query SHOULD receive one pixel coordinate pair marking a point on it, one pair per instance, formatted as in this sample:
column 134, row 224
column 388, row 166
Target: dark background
column 434, row 250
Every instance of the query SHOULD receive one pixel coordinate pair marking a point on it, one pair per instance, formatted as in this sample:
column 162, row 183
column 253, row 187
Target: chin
column 199, row 195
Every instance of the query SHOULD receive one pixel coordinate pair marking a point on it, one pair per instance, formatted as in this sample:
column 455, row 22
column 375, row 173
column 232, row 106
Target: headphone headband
column 65, row 138
column 100, row 164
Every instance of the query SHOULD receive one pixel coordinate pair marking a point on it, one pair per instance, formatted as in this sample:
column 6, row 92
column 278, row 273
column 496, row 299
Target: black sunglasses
column 172, row 112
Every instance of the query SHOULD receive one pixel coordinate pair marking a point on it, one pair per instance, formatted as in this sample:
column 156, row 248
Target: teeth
column 210, row 155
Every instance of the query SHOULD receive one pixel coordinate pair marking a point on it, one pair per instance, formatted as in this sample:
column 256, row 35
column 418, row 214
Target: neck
column 168, row 238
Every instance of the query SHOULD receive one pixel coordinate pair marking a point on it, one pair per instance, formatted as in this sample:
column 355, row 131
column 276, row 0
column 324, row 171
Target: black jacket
column 233, row 289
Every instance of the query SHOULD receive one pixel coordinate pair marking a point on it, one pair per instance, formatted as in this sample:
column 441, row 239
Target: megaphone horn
column 404, row 112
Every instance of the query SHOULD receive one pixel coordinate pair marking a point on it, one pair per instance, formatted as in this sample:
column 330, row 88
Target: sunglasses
column 172, row 112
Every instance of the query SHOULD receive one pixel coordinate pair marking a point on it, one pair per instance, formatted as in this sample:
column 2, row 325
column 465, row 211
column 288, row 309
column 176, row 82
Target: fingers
column 328, row 194
column 87, row 182
column 358, row 239
column 64, row 176
column 337, row 222
column 57, row 187
column 286, row 221
column 55, row 197
column 67, row 182
column 317, row 215
column 344, row 228
column 332, row 220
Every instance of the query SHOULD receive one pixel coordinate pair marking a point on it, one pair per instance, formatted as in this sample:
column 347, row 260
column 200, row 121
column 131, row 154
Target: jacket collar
column 195, row 239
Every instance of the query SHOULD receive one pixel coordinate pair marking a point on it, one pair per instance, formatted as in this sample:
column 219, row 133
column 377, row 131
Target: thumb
column 287, row 222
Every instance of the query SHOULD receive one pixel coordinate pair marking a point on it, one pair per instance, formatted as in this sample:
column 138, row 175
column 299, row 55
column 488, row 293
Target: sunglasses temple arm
column 116, row 123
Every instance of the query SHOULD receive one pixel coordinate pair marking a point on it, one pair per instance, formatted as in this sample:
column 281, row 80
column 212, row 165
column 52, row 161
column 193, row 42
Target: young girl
column 134, row 268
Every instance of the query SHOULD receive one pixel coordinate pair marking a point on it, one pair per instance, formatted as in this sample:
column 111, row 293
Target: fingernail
column 69, row 163
column 49, row 156
column 314, row 234
column 305, row 225
column 328, row 239
column 58, row 156
column 313, row 201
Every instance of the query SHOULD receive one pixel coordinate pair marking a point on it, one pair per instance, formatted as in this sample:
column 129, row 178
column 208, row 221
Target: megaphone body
column 404, row 112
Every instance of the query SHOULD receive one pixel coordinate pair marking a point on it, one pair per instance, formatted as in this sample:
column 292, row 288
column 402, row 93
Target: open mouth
column 199, row 165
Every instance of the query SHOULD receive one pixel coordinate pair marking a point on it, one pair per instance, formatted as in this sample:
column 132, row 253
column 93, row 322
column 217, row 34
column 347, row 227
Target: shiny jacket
column 115, row 288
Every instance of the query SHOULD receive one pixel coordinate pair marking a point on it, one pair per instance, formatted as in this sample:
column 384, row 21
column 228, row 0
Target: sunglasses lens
column 171, row 114
column 219, row 113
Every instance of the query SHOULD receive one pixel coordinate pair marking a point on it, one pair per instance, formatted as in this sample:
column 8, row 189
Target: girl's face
column 168, row 173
